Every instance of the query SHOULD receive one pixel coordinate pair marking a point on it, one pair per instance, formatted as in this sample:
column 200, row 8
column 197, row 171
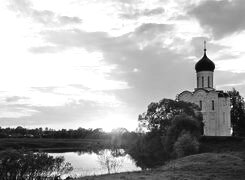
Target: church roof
column 220, row 93
column 204, row 64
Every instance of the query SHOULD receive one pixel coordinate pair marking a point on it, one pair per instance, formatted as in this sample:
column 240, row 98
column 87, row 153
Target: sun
column 113, row 121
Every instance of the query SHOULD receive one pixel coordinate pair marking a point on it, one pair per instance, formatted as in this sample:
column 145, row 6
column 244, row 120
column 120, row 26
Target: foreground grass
column 206, row 166
column 59, row 145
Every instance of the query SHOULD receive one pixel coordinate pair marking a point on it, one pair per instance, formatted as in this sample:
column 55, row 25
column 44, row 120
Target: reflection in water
column 90, row 163
column 110, row 160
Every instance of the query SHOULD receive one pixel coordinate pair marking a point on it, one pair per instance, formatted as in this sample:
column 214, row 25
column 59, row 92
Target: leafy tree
column 179, row 124
column 165, row 120
column 186, row 145
column 159, row 115
column 237, row 113
column 148, row 151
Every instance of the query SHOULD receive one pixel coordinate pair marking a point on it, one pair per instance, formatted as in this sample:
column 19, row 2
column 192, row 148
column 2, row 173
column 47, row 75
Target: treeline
column 119, row 137
column 20, row 132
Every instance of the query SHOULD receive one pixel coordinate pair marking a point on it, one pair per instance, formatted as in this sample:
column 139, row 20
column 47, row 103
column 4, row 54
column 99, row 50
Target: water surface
column 90, row 163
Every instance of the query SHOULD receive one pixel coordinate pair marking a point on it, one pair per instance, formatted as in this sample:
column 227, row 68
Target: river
column 91, row 163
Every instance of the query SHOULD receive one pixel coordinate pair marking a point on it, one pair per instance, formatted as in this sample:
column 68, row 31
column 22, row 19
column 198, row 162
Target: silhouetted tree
column 28, row 165
column 160, row 114
column 165, row 120
column 182, row 123
column 186, row 144
column 237, row 113
column 148, row 151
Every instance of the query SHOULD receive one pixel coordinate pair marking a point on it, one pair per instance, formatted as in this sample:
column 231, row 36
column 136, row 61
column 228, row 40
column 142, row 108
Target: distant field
column 53, row 144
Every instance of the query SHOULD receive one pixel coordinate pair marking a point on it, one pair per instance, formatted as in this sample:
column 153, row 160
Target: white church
column 214, row 104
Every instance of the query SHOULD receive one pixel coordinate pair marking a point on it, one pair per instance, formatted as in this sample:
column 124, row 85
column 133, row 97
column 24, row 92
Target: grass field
column 206, row 166
column 59, row 145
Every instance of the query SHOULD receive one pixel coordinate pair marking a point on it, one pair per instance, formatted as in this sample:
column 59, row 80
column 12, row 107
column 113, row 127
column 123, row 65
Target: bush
column 148, row 151
column 28, row 165
column 186, row 145
column 182, row 123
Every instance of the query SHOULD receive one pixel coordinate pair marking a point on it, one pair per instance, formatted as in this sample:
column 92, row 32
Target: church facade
column 214, row 104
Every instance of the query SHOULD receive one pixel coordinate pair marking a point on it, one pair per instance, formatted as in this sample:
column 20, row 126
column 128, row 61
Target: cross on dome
column 205, row 64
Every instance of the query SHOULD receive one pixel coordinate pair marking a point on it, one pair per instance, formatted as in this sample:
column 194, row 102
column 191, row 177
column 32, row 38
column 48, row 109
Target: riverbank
column 206, row 166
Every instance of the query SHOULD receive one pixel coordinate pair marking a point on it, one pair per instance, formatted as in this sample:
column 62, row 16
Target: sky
column 99, row 63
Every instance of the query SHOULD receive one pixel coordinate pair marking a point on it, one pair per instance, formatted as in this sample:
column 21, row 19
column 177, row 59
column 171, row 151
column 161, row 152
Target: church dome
column 204, row 64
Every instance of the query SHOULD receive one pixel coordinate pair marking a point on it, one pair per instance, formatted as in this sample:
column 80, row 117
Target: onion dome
column 204, row 64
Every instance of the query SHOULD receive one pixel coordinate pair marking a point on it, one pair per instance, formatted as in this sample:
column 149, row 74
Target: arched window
column 202, row 81
column 212, row 104
column 208, row 81
column 197, row 82
column 200, row 104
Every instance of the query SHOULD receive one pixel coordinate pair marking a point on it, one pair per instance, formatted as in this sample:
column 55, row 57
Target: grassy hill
column 221, row 158
column 222, row 144
column 205, row 166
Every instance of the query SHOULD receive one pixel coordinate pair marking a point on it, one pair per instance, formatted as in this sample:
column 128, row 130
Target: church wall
column 211, row 113
column 216, row 114
column 224, row 114
column 186, row 96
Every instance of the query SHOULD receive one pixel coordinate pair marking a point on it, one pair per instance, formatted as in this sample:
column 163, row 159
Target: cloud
column 67, row 20
column 14, row 99
column 156, row 66
column 44, row 49
column 11, row 109
column 226, row 80
column 71, row 115
column 137, row 13
column 222, row 18
column 197, row 43
column 69, row 108
column 97, row 41
column 46, row 17
column 156, row 63
column 153, row 28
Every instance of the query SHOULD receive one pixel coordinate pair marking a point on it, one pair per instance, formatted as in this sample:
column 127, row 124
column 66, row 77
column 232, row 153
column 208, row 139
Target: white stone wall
column 216, row 117
column 224, row 123
column 202, row 79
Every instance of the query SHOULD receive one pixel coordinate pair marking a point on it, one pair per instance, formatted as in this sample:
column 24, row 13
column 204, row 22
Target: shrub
column 148, row 151
column 186, row 145
column 28, row 165
column 182, row 123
